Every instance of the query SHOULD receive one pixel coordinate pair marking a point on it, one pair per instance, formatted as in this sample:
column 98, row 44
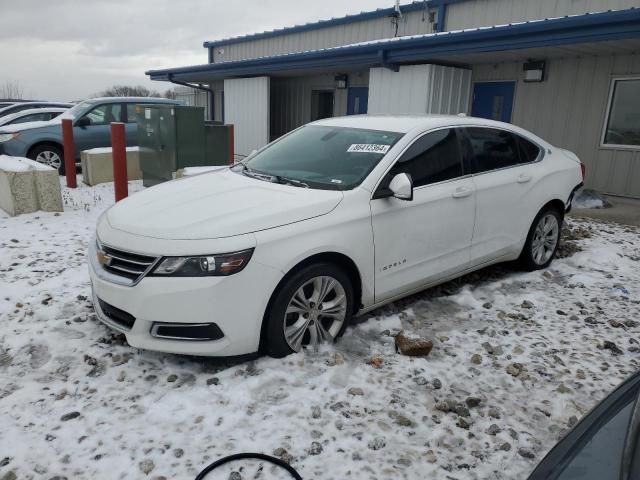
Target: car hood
column 216, row 205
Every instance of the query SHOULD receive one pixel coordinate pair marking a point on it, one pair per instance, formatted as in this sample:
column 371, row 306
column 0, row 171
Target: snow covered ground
column 516, row 359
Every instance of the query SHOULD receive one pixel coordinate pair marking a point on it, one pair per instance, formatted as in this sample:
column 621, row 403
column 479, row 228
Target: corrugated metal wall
column 193, row 97
column 291, row 99
column 246, row 106
column 481, row 13
column 568, row 110
column 412, row 23
column 419, row 89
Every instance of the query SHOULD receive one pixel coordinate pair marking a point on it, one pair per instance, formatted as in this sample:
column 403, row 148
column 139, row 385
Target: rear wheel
column 313, row 306
column 50, row 155
column 543, row 239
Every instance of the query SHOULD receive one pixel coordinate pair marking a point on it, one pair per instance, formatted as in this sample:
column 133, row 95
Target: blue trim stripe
column 357, row 17
column 590, row 27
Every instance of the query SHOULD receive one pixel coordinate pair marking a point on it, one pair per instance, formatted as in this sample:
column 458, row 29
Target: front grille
column 119, row 317
column 126, row 264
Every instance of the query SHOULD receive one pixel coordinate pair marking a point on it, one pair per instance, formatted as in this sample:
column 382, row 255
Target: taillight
column 583, row 169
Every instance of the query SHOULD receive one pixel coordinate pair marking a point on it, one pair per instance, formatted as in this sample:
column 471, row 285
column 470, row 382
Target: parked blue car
column 91, row 129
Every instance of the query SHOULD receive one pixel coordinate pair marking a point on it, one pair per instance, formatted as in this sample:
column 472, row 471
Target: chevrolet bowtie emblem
column 103, row 258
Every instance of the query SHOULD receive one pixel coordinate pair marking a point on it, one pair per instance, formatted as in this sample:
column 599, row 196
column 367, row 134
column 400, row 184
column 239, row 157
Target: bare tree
column 11, row 90
column 128, row 91
column 170, row 94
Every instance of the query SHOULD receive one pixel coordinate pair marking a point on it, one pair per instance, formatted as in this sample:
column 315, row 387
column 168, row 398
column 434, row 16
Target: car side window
column 601, row 456
column 432, row 158
column 132, row 116
column 34, row 117
column 492, row 149
column 529, row 151
column 105, row 114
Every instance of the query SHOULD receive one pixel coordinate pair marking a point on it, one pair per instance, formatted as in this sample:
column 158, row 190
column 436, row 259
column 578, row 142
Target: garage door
column 246, row 106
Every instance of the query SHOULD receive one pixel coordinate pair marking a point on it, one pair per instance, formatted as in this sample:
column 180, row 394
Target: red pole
column 231, row 145
column 69, row 152
column 119, row 151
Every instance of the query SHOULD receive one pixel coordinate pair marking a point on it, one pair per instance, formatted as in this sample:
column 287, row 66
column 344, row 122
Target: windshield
column 324, row 157
column 77, row 110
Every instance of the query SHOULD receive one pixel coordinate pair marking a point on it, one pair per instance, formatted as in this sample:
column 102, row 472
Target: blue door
column 493, row 100
column 357, row 100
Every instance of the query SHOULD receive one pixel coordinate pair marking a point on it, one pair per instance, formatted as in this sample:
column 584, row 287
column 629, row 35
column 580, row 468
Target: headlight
column 203, row 266
column 5, row 137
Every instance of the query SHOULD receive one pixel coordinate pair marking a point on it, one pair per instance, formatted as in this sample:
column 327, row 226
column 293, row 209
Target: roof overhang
column 439, row 47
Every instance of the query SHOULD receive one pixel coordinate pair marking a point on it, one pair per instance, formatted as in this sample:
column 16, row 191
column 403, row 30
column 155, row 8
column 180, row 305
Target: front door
column 357, row 100
column 429, row 237
column 493, row 100
column 98, row 132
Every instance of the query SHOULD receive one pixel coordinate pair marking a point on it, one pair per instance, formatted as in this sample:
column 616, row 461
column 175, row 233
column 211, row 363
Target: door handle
column 461, row 192
column 524, row 178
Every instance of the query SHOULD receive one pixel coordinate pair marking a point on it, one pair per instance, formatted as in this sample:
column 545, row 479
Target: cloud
column 69, row 49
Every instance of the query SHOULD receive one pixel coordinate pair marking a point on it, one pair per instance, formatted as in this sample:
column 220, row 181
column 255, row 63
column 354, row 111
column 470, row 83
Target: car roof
column 52, row 104
column 39, row 110
column 132, row 100
column 407, row 123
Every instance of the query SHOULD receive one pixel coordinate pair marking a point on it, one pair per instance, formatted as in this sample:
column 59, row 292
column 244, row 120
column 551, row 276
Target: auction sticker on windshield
column 368, row 148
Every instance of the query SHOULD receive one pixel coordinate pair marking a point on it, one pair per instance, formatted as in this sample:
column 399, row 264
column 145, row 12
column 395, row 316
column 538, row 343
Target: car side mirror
column 402, row 186
column 83, row 122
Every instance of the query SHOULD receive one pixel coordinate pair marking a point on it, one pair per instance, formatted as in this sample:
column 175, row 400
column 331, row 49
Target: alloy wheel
column 315, row 313
column 49, row 158
column 545, row 239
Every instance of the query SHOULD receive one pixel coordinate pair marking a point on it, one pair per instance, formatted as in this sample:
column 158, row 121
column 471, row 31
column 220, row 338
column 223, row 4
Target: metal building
column 568, row 70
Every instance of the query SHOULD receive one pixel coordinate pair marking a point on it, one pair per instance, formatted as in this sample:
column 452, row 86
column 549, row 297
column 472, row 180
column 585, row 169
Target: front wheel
column 543, row 240
column 312, row 306
column 50, row 155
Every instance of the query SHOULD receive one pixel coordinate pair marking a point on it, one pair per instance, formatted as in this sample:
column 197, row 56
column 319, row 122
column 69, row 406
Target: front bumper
column 236, row 304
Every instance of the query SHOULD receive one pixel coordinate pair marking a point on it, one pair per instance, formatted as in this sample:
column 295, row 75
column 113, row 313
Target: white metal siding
column 419, row 89
column 482, row 13
column 568, row 110
column 246, row 106
column 412, row 23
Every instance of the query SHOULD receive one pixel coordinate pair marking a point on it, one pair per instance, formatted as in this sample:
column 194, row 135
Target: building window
column 623, row 121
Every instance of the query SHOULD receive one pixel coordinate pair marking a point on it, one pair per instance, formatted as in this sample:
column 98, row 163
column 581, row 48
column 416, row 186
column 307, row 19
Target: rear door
column 419, row 241
column 504, row 172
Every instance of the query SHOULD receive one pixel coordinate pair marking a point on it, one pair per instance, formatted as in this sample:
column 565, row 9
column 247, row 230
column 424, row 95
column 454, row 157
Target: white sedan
column 334, row 219
column 32, row 115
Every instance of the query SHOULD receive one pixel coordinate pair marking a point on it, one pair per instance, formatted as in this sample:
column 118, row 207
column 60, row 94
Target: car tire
column 543, row 239
column 50, row 155
column 294, row 320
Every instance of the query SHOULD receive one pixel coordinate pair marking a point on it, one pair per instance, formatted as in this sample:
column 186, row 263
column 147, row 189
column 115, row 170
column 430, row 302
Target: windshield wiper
column 259, row 176
column 288, row 181
column 267, row 177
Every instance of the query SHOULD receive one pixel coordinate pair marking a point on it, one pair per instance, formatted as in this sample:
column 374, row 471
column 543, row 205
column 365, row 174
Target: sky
column 70, row 49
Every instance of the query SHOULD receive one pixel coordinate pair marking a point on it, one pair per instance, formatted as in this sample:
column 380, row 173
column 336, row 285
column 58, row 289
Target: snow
column 109, row 149
column 190, row 171
column 372, row 413
column 589, row 199
column 21, row 164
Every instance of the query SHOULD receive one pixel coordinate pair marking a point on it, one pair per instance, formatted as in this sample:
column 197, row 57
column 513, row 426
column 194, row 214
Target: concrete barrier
column 27, row 186
column 97, row 165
